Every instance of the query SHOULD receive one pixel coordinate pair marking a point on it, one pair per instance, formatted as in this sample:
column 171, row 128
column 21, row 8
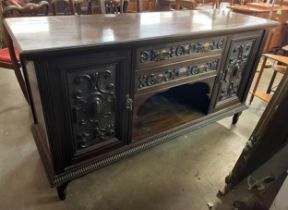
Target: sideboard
column 105, row 87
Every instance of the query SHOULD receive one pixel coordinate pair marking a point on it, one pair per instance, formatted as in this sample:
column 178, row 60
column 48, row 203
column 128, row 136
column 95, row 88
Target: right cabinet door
column 237, row 71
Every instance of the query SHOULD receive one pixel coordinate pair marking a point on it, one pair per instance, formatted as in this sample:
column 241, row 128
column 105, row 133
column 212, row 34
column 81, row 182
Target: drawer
column 173, row 52
column 151, row 79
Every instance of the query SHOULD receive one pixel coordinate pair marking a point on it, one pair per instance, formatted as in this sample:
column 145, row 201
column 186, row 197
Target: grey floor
column 183, row 174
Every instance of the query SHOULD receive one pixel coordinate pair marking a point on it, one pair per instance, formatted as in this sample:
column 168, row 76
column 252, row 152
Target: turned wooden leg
column 236, row 118
column 61, row 191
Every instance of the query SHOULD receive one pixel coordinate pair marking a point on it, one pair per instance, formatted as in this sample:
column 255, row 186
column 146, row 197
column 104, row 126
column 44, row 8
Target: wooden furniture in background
column 62, row 7
column 29, row 9
column 124, row 85
column 186, row 4
column 142, row 6
column 100, row 7
column 277, row 36
column 84, row 7
column 168, row 5
column 216, row 4
column 115, row 6
column 89, row 7
column 9, row 56
column 278, row 68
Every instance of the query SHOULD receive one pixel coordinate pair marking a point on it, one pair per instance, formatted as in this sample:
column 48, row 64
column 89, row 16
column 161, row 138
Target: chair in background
column 29, row 9
column 9, row 56
column 62, row 7
column 84, row 7
column 167, row 5
column 114, row 6
column 135, row 6
column 186, row 4
column 100, row 6
column 280, row 67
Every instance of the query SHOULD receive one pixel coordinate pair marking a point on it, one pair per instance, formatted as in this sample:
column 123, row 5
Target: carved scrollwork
column 230, row 77
column 151, row 79
column 179, row 50
column 92, row 99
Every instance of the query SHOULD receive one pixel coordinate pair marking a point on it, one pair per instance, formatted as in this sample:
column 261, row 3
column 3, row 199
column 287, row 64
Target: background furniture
column 121, row 87
column 29, row 9
column 62, row 7
column 276, row 68
column 186, row 4
column 9, row 57
column 100, row 7
column 278, row 35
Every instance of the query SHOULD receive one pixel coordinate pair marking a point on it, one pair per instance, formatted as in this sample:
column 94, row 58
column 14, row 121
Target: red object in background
column 15, row 2
column 5, row 55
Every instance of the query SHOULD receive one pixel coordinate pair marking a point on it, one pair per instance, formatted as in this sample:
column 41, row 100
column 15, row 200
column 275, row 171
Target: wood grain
column 42, row 34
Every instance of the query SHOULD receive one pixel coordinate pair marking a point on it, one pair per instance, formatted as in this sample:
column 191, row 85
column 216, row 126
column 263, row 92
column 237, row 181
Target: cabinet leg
column 61, row 191
column 236, row 118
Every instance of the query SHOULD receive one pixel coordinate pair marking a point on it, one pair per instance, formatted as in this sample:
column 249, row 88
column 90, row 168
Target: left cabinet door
column 86, row 104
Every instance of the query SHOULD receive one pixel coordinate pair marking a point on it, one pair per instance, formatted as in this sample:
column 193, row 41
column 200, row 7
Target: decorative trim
column 149, row 143
column 195, row 47
column 147, row 80
column 92, row 98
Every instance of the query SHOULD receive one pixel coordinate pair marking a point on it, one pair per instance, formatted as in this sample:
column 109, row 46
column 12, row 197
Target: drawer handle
column 206, row 46
column 164, row 53
column 98, row 106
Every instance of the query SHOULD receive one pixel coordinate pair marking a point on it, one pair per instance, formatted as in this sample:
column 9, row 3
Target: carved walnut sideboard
column 107, row 86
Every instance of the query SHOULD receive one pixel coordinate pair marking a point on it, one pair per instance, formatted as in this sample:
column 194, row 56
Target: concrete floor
column 183, row 174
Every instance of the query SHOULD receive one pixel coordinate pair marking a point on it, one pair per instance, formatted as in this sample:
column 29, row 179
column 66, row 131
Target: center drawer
column 152, row 79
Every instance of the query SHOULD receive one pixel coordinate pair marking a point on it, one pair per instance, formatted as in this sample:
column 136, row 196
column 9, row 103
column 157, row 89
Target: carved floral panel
column 230, row 77
column 147, row 79
column 194, row 47
column 92, row 100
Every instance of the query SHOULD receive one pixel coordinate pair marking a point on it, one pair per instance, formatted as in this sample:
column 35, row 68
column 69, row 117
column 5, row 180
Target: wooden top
column 280, row 58
column 257, row 7
column 34, row 35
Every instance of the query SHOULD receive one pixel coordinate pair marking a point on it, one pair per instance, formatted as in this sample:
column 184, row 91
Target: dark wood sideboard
column 104, row 87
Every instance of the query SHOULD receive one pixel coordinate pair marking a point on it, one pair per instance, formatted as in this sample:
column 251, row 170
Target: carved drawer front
column 151, row 79
column 236, row 67
column 95, row 103
column 179, row 51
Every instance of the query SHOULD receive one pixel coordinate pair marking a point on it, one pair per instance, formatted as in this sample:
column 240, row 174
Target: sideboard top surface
column 46, row 34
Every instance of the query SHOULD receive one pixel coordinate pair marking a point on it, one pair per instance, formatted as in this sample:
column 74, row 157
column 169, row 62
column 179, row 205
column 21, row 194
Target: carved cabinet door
column 98, row 98
column 233, row 79
column 89, row 104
